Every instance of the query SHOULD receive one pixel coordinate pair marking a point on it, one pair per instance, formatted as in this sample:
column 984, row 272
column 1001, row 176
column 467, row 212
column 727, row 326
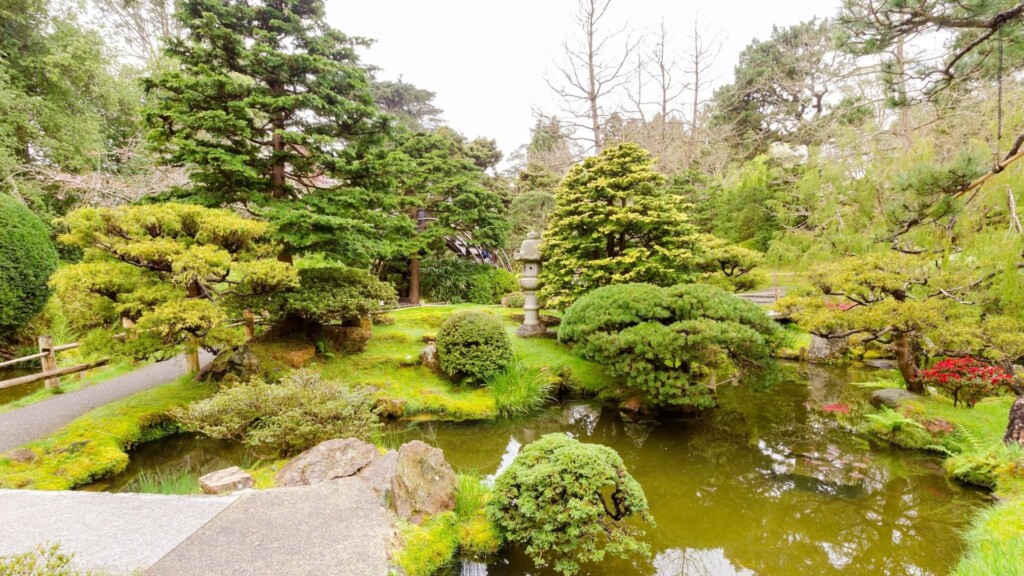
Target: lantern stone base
column 532, row 331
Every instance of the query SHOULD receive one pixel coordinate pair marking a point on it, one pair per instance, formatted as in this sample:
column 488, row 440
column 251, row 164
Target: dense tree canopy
column 173, row 272
column 271, row 110
column 783, row 86
column 60, row 103
column 614, row 223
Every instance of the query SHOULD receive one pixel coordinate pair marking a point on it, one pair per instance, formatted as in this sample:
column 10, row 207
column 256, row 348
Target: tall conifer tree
column 271, row 110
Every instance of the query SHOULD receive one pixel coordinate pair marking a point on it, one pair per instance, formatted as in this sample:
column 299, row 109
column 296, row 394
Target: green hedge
column 27, row 259
column 455, row 280
column 669, row 342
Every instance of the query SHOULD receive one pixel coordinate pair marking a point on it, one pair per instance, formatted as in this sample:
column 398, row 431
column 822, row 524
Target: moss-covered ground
column 96, row 444
column 391, row 364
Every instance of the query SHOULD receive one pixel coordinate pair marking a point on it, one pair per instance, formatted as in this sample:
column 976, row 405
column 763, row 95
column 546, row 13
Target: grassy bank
column 391, row 364
column 95, row 444
column 975, row 455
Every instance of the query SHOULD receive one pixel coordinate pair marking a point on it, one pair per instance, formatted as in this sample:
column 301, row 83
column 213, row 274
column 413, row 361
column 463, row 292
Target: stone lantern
column 529, row 255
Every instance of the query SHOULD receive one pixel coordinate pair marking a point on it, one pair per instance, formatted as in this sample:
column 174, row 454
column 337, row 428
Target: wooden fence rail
column 47, row 357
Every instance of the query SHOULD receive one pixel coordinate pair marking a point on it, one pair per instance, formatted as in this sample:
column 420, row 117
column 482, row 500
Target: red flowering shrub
column 967, row 379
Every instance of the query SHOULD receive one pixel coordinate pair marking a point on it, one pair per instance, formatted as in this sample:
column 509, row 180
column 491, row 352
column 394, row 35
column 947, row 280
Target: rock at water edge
column 424, row 483
column 328, row 460
column 226, row 480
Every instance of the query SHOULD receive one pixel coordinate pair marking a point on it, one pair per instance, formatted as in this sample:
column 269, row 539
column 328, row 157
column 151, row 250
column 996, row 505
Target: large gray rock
column 233, row 365
column 424, row 483
column 824, row 349
column 328, row 460
column 430, row 359
column 226, row 481
column 380, row 473
column 891, row 397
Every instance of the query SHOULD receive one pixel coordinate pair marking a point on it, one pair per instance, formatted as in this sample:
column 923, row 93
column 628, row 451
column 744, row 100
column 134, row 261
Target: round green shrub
column 552, row 501
column 473, row 346
column 668, row 342
column 27, row 259
column 338, row 294
column 514, row 300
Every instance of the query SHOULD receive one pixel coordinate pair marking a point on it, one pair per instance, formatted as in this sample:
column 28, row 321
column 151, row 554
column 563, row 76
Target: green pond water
column 768, row 484
column 17, row 392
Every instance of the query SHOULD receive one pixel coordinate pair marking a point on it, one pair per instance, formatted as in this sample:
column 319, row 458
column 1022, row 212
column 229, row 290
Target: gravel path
column 43, row 418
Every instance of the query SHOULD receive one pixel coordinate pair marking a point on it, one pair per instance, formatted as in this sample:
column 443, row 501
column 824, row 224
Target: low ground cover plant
column 466, row 531
column 291, row 415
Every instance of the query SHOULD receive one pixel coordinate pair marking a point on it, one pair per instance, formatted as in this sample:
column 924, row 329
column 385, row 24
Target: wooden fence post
column 250, row 324
column 49, row 361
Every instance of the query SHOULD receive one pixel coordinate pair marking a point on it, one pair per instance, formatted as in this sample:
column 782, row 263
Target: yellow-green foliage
column 428, row 548
column 479, row 537
column 95, row 444
column 995, row 542
column 391, row 364
column 177, row 270
column 467, row 531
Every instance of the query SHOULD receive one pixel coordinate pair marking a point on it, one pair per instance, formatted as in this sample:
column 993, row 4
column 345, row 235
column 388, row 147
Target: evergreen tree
column 615, row 223
column 271, row 110
column 442, row 189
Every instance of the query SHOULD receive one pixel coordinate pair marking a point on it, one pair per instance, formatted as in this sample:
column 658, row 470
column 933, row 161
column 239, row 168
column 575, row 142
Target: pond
column 14, row 393
column 768, row 484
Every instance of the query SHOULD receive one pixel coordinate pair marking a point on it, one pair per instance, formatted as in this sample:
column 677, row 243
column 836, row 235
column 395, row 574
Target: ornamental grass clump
column 473, row 346
column 521, row 390
column 552, row 501
column 967, row 380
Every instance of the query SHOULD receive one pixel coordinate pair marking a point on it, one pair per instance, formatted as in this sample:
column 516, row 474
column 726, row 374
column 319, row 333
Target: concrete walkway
column 116, row 533
column 43, row 418
column 337, row 528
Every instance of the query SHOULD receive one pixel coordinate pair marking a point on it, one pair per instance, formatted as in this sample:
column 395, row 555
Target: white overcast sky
column 487, row 59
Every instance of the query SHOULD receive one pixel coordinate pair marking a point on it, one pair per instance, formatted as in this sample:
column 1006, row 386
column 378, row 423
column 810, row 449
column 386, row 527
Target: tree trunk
column 414, row 281
column 1015, row 429
column 907, row 363
column 192, row 356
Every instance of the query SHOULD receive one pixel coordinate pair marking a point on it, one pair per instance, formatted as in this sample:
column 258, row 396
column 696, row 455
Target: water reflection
column 765, row 485
column 691, row 562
